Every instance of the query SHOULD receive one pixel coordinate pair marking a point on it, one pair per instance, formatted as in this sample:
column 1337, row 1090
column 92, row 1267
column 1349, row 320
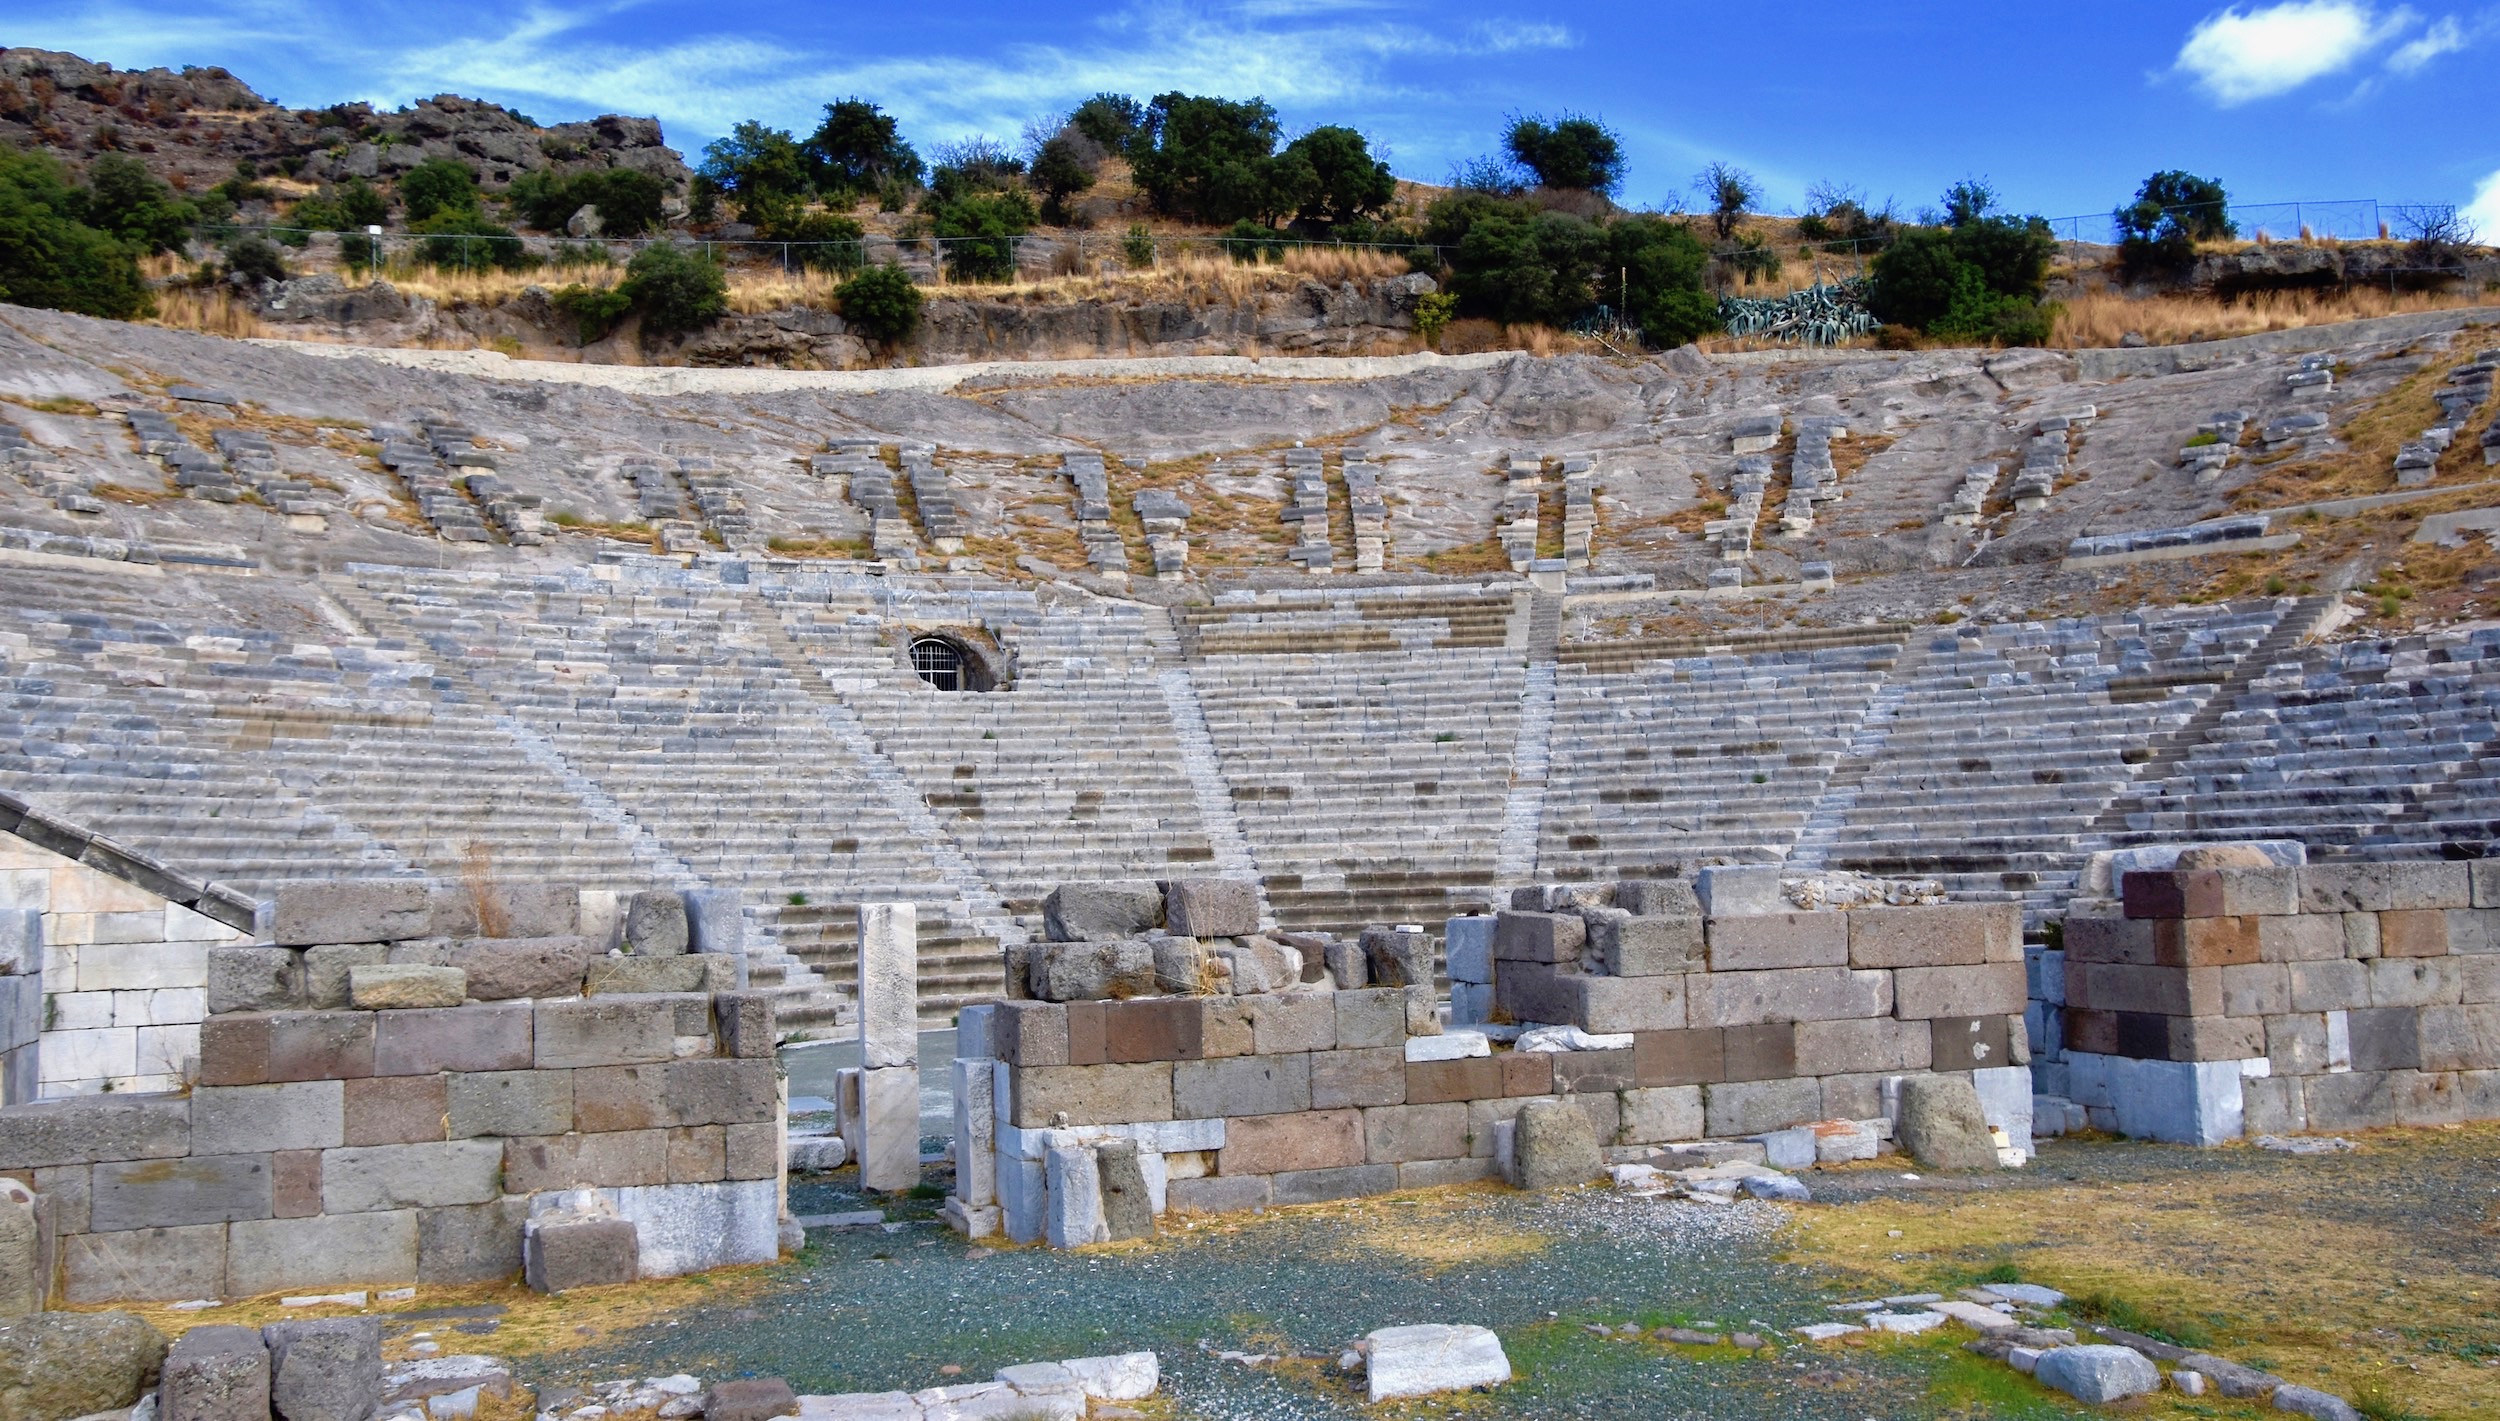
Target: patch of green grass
column 2376, row 1400
column 2123, row 1313
column 1964, row 1385
column 2002, row 1271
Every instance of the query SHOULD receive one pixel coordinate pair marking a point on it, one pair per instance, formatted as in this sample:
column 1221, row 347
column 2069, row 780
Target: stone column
column 973, row 1209
column 889, row 1047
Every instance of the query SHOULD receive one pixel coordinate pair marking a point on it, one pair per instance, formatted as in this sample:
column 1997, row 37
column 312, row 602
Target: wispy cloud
column 2239, row 56
column 2483, row 209
column 2444, row 37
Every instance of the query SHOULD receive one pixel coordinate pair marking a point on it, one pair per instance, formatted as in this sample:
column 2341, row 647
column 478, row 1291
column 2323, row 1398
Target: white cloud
column 2445, row 37
column 2237, row 56
column 2484, row 210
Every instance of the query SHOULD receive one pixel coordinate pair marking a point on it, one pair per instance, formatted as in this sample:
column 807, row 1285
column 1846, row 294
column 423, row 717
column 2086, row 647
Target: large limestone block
column 394, row 987
column 1211, row 907
column 329, row 1369
column 216, row 1373
column 1127, row 1206
column 505, row 969
column 655, row 924
column 1943, row 1125
column 1397, row 959
column 64, row 1364
column 889, row 985
column 2097, row 1373
column 564, row 1252
column 889, row 1148
column 1555, row 1146
column 1092, row 971
column 352, row 910
column 1429, row 1358
column 24, row 1285
column 1084, row 912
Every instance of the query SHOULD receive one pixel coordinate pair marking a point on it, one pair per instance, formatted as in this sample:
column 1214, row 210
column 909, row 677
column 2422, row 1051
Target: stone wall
column 376, row 1105
column 21, row 1004
column 1673, row 1023
column 119, row 978
column 2207, row 1002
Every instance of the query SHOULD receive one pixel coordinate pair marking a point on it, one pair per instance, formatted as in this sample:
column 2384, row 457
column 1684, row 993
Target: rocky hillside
column 194, row 126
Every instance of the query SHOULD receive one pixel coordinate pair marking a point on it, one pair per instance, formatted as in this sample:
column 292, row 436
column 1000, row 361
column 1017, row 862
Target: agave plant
column 1819, row 315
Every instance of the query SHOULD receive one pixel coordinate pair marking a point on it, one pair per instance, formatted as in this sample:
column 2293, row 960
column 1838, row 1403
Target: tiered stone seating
column 1385, row 620
column 1072, row 773
column 2365, row 745
column 1664, row 764
column 1365, row 784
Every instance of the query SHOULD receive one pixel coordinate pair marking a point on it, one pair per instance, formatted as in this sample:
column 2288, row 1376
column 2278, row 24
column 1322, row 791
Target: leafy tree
column 1499, row 176
column 754, row 166
column 1208, row 159
column 880, row 304
column 437, row 185
column 626, row 199
column 1340, row 179
column 2172, row 212
column 1835, row 213
column 1111, row 120
column 979, row 231
column 1573, row 152
column 1967, row 201
column 50, row 257
column 858, row 148
column 1063, row 167
column 1138, row 247
column 1914, row 281
column 126, row 200
column 1727, row 192
column 677, row 289
column 971, row 165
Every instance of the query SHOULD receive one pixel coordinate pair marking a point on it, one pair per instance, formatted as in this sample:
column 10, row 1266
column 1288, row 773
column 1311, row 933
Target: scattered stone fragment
column 1554, row 1146
column 2318, row 1405
column 2306, row 1144
column 750, row 1399
column 1826, row 1331
column 1906, row 1322
column 1942, row 1125
column 1427, row 1358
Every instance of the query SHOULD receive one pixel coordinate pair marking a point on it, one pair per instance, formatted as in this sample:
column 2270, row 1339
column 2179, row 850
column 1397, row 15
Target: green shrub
column 2203, row 440
column 1978, row 279
column 358, row 251
column 832, row 242
column 755, row 166
column 459, row 239
column 880, row 304
column 1432, row 315
column 595, row 310
column 979, row 233
column 1248, row 242
column 677, row 289
column 1063, row 167
column 1138, row 247
column 1516, row 263
column 256, row 259
column 1661, row 269
column 360, row 205
column 49, row 257
column 436, row 186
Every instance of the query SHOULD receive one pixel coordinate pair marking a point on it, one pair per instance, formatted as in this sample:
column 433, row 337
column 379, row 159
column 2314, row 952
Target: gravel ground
column 878, row 1309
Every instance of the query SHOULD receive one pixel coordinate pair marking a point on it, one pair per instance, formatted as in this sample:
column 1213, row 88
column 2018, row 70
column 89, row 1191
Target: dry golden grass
column 2209, row 1247
column 211, row 310
column 2104, row 318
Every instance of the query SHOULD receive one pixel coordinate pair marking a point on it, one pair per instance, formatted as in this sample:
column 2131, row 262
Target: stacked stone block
column 716, row 496
column 21, row 1004
column 419, row 463
column 332, row 1140
column 1103, row 550
column 1166, row 519
column 198, row 473
column 1308, row 511
column 2211, row 1001
column 1728, row 1016
column 1371, row 513
column 1523, row 474
column 47, row 474
column 1579, row 513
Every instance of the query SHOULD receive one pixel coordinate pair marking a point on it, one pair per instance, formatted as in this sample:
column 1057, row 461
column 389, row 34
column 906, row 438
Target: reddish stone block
column 234, row 1049
column 1089, row 1033
column 1759, row 1053
column 320, row 1045
column 295, row 1183
column 396, row 1110
column 2413, row 932
column 1167, row 1030
column 1526, row 1073
column 1433, row 1082
column 1274, row 1144
column 1694, row 1057
column 2207, row 942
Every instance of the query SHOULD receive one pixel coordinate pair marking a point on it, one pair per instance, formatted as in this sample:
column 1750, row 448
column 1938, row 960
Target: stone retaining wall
column 2205, row 1003
column 1693, row 1024
column 368, row 1112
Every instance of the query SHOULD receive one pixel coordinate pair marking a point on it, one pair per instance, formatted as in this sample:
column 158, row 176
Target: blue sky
column 2063, row 107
